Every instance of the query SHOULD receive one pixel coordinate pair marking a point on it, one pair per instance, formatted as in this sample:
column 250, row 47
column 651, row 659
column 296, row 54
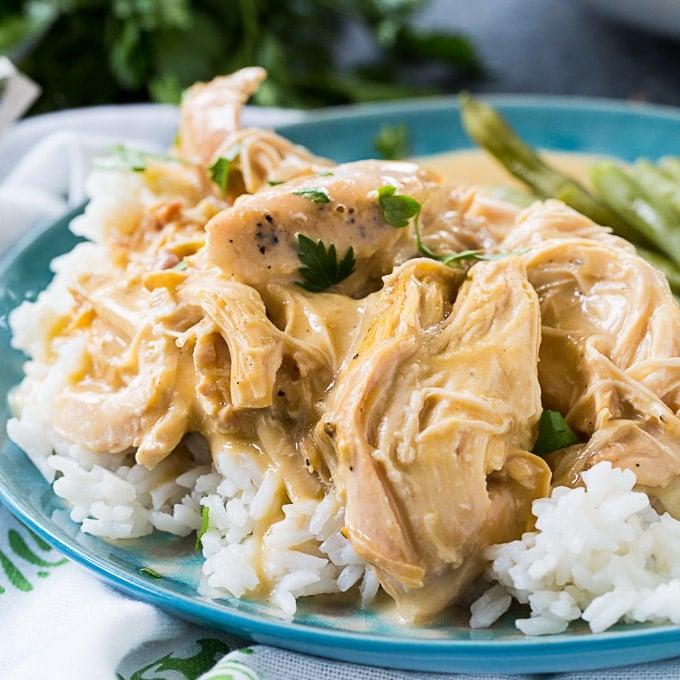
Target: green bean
column 671, row 165
column 490, row 131
column 658, row 183
column 642, row 206
column 651, row 217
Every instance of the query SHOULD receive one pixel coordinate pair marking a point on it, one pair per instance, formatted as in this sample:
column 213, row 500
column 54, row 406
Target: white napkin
column 271, row 663
column 75, row 626
column 17, row 92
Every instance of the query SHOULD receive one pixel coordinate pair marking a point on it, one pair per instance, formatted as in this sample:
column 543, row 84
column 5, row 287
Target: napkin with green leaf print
column 57, row 621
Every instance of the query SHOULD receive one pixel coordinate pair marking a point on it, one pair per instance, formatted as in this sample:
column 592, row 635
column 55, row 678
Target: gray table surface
column 562, row 47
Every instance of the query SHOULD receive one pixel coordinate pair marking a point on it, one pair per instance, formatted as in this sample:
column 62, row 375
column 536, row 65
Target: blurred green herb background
column 89, row 52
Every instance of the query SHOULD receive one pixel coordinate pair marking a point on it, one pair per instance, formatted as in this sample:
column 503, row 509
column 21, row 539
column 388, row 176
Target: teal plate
column 626, row 131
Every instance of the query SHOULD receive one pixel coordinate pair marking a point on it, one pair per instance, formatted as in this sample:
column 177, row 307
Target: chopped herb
column 392, row 141
column 322, row 269
column 219, row 170
column 205, row 522
column 314, row 195
column 397, row 209
column 274, row 182
column 181, row 266
column 454, row 258
column 553, row 433
column 124, row 158
column 147, row 571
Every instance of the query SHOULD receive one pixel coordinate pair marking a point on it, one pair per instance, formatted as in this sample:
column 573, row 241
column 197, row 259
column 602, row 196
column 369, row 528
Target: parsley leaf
column 125, row 158
column 322, row 269
column 397, row 209
column 205, row 522
column 553, row 433
column 455, row 258
column 219, row 170
column 314, row 195
column 392, row 141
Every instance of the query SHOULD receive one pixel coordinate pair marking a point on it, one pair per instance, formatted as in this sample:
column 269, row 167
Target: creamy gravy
column 476, row 166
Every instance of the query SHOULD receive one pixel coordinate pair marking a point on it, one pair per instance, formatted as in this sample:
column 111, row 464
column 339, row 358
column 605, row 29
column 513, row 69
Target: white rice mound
column 256, row 541
column 600, row 553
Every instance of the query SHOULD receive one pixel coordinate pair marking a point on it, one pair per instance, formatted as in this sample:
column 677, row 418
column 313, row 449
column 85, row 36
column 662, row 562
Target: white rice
column 600, row 553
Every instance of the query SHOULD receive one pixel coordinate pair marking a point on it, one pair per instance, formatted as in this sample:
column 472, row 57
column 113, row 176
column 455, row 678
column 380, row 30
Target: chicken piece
column 255, row 240
column 133, row 401
column 211, row 111
column 592, row 285
column 610, row 346
column 630, row 426
column 545, row 220
column 210, row 129
column 460, row 218
column 428, row 425
column 255, row 344
column 262, row 158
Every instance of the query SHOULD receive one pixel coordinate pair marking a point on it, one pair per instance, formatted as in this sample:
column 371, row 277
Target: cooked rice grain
column 599, row 553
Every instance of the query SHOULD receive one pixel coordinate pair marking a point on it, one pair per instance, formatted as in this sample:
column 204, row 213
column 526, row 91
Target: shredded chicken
column 410, row 388
column 427, row 429
column 610, row 348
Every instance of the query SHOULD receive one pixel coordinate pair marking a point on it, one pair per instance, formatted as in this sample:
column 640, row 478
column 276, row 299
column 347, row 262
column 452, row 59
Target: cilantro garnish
column 392, row 141
column 219, row 170
column 454, row 258
column 314, row 195
column 553, row 433
column 397, row 209
column 205, row 523
column 134, row 160
column 322, row 269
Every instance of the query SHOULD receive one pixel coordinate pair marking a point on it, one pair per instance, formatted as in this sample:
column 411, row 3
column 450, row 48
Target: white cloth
column 17, row 92
column 56, row 619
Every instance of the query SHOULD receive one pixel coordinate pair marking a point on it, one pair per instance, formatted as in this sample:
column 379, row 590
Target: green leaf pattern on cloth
column 210, row 650
column 26, row 560
column 232, row 669
column 25, row 557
